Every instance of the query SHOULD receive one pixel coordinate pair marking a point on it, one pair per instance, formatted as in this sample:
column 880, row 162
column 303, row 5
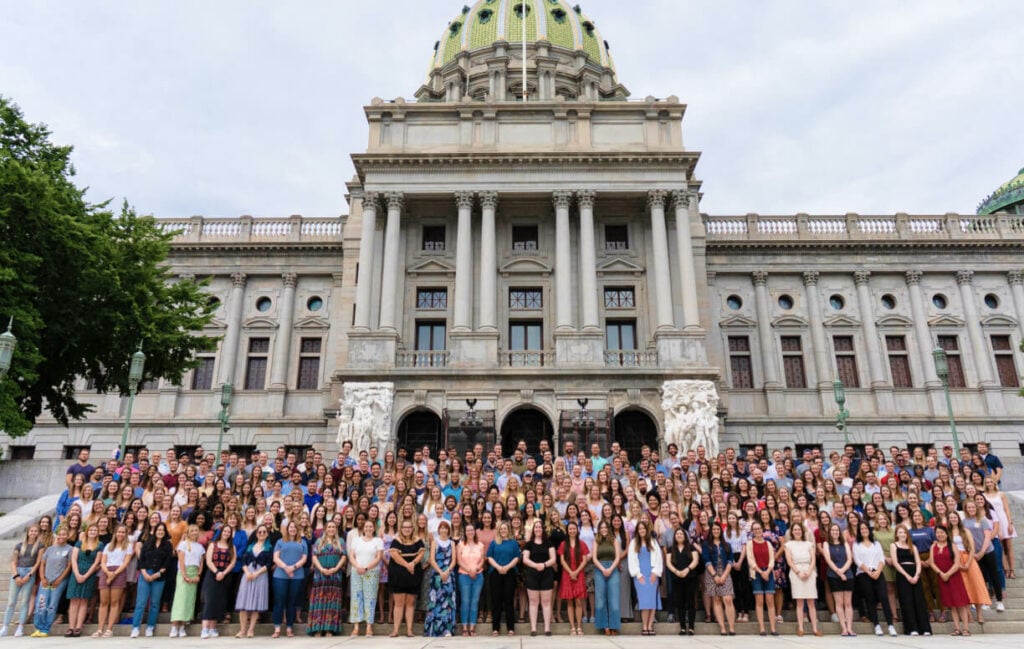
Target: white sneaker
column 204, row 635
column 181, row 633
column 878, row 629
column 3, row 630
column 214, row 633
column 835, row 618
column 135, row 632
column 1000, row 607
column 927, row 633
column 892, row 631
column 173, row 633
column 913, row 633
column 986, row 607
column 149, row 631
column 19, row 631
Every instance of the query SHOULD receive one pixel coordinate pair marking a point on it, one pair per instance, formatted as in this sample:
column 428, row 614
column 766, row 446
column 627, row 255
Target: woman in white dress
column 1001, row 512
column 803, row 576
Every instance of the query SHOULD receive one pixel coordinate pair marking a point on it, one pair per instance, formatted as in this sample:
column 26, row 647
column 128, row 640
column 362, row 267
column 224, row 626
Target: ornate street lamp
column 839, row 392
column 135, row 373
column 7, row 344
column 226, row 391
column 942, row 369
column 471, row 422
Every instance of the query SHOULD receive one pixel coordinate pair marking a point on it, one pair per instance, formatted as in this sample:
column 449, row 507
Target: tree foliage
column 85, row 285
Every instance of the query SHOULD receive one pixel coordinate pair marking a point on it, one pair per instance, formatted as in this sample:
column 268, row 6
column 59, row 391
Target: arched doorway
column 634, row 429
column 527, row 424
column 420, row 428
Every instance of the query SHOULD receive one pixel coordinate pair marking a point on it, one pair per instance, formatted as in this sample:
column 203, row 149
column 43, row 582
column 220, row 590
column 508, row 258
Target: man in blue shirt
column 312, row 497
column 995, row 466
column 453, row 488
column 597, row 461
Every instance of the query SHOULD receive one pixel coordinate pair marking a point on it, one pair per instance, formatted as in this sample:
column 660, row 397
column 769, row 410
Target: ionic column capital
column 964, row 277
column 464, row 200
column 862, row 277
column 489, row 200
column 396, row 200
column 289, row 280
column 811, row 277
column 561, row 199
column 760, row 277
column 238, row 280
column 656, row 199
column 585, row 198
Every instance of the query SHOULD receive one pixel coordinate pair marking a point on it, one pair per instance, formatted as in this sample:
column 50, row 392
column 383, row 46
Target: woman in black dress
column 405, row 576
column 539, row 578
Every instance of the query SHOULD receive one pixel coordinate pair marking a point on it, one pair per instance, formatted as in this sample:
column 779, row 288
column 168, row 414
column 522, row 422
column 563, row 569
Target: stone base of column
column 885, row 404
column 681, row 348
column 372, row 350
column 275, row 400
column 775, row 398
column 473, row 349
column 579, row 349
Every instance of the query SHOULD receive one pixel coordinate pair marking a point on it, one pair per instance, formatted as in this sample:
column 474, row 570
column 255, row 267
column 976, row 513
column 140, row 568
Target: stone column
column 822, row 364
column 764, row 330
column 662, row 278
column 1016, row 279
column 282, row 350
column 463, row 314
column 588, row 262
column 979, row 350
column 563, row 263
column 925, row 343
column 234, row 333
column 868, row 329
column 488, row 263
column 686, row 206
column 364, row 289
column 389, row 296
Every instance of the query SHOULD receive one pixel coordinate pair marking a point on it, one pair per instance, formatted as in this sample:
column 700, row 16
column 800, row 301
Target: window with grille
column 309, row 364
column 899, row 361
column 525, row 298
column 202, row 375
column 256, row 364
column 846, row 361
column 951, row 345
column 616, row 237
column 793, row 362
column 433, row 238
column 619, row 297
column 524, row 238
column 739, row 362
column 431, row 298
column 1006, row 366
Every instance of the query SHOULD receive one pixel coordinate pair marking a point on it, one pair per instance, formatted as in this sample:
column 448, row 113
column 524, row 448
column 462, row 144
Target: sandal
column 393, row 635
column 965, row 633
column 494, row 634
column 276, row 634
column 108, row 634
column 956, row 632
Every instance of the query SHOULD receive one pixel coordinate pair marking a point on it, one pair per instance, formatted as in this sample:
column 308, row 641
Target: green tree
column 85, row 285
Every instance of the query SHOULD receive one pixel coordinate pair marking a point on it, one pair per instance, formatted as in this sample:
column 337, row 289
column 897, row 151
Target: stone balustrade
column 246, row 229
column 855, row 227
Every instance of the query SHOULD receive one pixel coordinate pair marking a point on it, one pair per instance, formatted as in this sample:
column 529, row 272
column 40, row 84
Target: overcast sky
column 254, row 106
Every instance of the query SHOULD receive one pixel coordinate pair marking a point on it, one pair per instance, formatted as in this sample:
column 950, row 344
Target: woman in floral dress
column 326, row 597
column 440, row 620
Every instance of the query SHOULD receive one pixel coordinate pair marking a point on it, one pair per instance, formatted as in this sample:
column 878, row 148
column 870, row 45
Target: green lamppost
column 225, row 422
column 942, row 369
column 839, row 392
column 7, row 344
column 135, row 372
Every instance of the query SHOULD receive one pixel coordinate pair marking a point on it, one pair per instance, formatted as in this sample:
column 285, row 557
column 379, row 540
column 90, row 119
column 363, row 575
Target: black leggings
column 684, row 594
column 503, row 594
column 873, row 593
column 988, row 566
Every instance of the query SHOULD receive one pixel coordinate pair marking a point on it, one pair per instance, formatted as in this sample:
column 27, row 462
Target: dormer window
column 589, row 27
column 454, row 28
column 485, row 16
column 559, row 15
column 519, row 9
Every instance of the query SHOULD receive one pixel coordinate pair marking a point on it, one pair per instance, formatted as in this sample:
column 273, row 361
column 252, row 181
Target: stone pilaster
column 364, row 287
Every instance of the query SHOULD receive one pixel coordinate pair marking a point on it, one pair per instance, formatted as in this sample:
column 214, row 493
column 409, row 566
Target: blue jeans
column 46, row 607
column 469, row 591
column 607, row 599
column 152, row 591
column 286, row 599
column 18, row 597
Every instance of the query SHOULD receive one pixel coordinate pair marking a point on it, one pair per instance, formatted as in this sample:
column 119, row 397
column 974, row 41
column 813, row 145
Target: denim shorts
column 762, row 586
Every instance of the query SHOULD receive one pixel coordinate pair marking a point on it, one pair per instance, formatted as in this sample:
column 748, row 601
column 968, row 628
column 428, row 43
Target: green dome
column 1008, row 198
column 490, row 21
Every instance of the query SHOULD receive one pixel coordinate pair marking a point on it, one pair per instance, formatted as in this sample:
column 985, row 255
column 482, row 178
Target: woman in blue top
column 503, row 556
column 290, row 555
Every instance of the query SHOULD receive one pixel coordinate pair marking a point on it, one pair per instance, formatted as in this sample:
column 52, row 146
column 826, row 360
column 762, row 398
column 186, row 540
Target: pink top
column 470, row 555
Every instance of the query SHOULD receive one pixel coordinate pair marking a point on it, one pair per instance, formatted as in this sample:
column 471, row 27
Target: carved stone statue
column 691, row 415
column 365, row 415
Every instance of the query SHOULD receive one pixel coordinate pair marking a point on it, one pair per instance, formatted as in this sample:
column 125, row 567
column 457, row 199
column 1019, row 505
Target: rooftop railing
column 246, row 229
column 804, row 227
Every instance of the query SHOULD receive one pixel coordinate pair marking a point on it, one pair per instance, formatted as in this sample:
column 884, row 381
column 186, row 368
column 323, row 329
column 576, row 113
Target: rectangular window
column 793, row 362
column 525, row 298
column 185, row 449
column 524, row 238
column 619, row 297
column 899, row 361
column 22, row 452
column 951, row 345
column 430, row 336
column 1005, row 364
column 244, row 451
column 202, row 375
column 71, row 452
column 616, row 237
column 433, row 238
column 620, row 342
column 256, row 364
column 846, row 361
column 431, row 298
column 739, row 363
column 525, row 337
column 309, row 364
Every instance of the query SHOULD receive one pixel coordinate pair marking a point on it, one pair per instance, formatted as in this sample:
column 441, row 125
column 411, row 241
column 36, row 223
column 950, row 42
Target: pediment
column 998, row 321
column 313, row 322
column 525, row 266
column 895, row 322
column 216, row 324
column 619, row 266
column 789, row 322
column 259, row 323
column 737, row 322
column 946, row 321
column 841, row 321
column 432, row 267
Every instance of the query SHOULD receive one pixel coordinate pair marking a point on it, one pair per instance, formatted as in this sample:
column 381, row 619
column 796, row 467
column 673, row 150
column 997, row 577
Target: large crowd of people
column 456, row 542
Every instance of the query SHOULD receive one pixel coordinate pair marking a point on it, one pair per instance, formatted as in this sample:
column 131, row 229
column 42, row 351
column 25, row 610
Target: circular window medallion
column 992, row 301
column 734, row 302
column 888, row 301
column 263, row 304
column 785, row 302
column 837, row 302
column 315, row 303
column 940, row 301
column 213, row 302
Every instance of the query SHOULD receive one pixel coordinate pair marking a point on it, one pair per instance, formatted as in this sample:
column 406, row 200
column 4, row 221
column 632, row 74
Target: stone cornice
column 443, row 162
